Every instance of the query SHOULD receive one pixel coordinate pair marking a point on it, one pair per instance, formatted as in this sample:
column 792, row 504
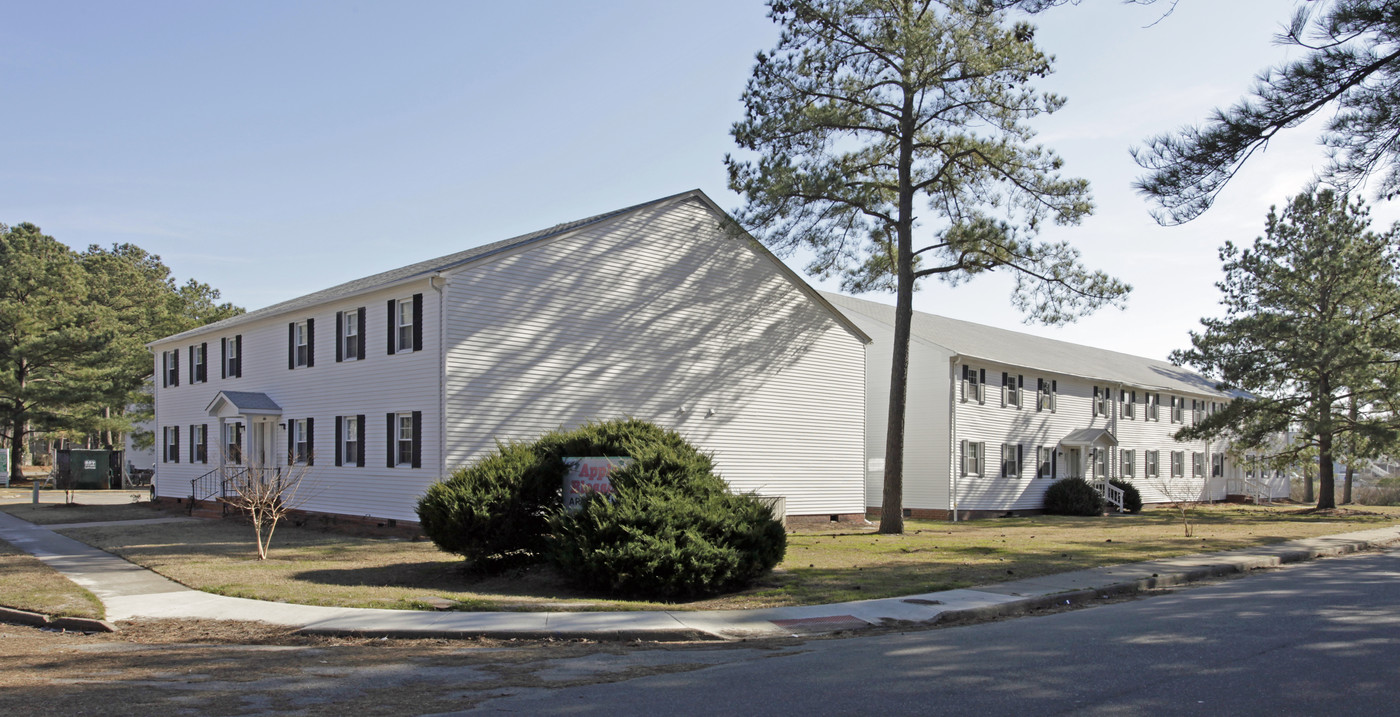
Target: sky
column 271, row 149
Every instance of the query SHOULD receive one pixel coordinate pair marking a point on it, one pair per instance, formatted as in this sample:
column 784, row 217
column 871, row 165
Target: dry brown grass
column 28, row 584
column 314, row 567
column 58, row 513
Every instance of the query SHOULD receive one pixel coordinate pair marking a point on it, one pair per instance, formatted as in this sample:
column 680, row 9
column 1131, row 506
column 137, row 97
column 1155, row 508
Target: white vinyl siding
column 773, row 386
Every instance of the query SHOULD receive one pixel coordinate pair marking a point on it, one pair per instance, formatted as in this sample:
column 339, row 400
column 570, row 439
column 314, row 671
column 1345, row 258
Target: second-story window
column 1046, row 390
column 973, row 383
column 1129, row 401
column 1154, row 404
column 1011, row 385
column 406, row 324
column 301, row 344
column 232, row 349
column 198, row 362
column 170, row 368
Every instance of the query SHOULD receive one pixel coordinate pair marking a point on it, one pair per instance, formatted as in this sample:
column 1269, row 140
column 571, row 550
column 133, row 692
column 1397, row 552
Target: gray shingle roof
column 420, row 269
column 1014, row 348
column 247, row 401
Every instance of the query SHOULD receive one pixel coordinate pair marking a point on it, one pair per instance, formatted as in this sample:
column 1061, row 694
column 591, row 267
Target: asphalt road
column 1321, row 638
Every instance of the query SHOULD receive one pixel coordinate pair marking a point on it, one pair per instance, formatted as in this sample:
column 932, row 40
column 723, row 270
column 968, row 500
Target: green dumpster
column 90, row 469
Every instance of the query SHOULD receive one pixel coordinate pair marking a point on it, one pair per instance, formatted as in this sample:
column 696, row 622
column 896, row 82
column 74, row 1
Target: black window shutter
column 417, row 324
column 389, row 419
column 238, row 365
column 175, row 440
column 360, row 435
column 194, row 372
column 360, row 337
column 164, row 369
column 175, row 364
column 204, row 366
column 417, row 439
column 291, row 441
column 223, row 357
column 982, row 381
column 310, row 441
column 393, row 328
column 193, row 435
column 204, row 443
column 1020, row 456
column 339, row 433
column 291, row 345
column 310, row 342
column 339, row 339
column 359, row 440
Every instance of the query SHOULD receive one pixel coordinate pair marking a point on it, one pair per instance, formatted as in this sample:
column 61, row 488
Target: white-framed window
column 1198, row 411
column 198, row 362
column 1217, row 465
column 300, row 440
column 170, row 368
column 1011, row 389
column 974, row 457
column 233, row 443
column 1127, row 458
column 171, row 453
column 404, row 326
column 1154, row 407
column 199, row 443
column 1198, row 464
column 404, row 446
column 1046, row 394
column 1129, row 401
column 1178, row 406
column 1010, row 460
column 350, row 337
column 1100, row 462
column 1178, row 464
column 351, row 454
column 1150, row 464
column 303, row 344
column 233, row 351
column 1045, row 462
column 1103, row 399
column 974, row 382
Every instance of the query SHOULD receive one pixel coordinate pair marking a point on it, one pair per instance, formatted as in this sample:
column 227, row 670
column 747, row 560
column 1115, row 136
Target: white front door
column 262, row 443
column 1075, row 464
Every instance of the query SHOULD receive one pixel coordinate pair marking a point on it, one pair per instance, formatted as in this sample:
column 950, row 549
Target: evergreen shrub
column 1072, row 496
column 1132, row 499
column 671, row 528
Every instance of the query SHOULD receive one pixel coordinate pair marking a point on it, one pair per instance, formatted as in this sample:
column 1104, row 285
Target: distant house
column 660, row 311
column 995, row 416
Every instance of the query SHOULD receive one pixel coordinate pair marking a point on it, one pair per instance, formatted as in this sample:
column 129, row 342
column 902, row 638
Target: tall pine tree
column 1312, row 331
column 891, row 141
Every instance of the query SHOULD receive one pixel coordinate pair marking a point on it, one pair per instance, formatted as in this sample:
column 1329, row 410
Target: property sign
column 589, row 475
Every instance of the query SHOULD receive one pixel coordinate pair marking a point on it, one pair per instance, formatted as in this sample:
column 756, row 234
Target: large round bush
column 1072, row 496
column 671, row 529
column 1132, row 499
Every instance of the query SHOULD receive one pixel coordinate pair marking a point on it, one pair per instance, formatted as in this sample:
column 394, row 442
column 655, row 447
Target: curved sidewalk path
column 130, row 592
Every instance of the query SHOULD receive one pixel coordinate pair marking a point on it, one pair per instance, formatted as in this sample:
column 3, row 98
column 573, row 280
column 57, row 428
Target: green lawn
column 314, row 567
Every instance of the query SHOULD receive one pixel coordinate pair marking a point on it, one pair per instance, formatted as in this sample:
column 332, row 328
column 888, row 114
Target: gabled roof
column 244, row 402
column 1013, row 348
column 424, row 269
column 1089, row 437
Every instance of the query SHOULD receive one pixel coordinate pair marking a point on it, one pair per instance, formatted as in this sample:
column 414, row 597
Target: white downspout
column 953, row 430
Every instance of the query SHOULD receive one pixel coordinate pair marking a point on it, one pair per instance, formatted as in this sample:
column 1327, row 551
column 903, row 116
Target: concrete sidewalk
column 130, row 592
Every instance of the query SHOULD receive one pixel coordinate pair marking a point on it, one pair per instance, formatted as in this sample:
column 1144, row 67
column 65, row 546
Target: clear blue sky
column 274, row 148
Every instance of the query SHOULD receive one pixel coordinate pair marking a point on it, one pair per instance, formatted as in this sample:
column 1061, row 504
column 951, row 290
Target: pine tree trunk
column 892, row 501
column 1307, row 484
column 1326, row 481
column 1346, row 487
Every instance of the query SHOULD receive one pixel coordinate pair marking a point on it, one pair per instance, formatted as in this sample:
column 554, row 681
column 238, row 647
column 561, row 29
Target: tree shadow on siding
column 658, row 326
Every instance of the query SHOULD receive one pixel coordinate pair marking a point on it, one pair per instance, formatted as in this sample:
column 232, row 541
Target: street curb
column 678, row 635
column 34, row 619
column 1235, row 566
